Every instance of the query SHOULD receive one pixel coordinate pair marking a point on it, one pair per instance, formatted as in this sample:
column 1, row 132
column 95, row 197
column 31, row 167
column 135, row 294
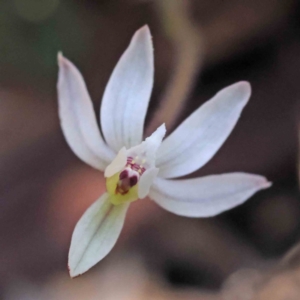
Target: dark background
column 205, row 45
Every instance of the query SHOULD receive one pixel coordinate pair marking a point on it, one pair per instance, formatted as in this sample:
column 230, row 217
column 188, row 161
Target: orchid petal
column 127, row 93
column 77, row 117
column 117, row 164
column 155, row 139
column 146, row 182
column 201, row 135
column 147, row 150
column 95, row 234
column 206, row 196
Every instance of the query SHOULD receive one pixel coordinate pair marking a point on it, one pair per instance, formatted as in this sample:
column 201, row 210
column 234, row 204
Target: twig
column 188, row 57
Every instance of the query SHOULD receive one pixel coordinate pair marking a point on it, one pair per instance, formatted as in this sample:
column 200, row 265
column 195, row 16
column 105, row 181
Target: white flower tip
column 143, row 36
column 144, row 31
column 76, row 272
column 245, row 85
column 59, row 55
column 60, row 58
column 262, row 182
column 239, row 91
column 64, row 65
column 157, row 136
column 162, row 129
column 244, row 88
column 62, row 61
column 72, row 273
column 266, row 184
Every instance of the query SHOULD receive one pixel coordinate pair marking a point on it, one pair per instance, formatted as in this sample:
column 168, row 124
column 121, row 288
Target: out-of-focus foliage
column 31, row 34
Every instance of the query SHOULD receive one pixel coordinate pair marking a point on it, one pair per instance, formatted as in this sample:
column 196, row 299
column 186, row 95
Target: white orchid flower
column 134, row 168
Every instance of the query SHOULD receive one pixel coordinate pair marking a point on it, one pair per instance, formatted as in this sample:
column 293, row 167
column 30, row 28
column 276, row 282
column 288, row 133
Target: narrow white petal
column 146, row 182
column 95, row 234
column 201, row 135
column 117, row 164
column 127, row 93
column 155, row 139
column 77, row 117
column 206, row 196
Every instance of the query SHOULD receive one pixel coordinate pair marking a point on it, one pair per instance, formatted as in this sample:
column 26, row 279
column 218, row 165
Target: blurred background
column 250, row 252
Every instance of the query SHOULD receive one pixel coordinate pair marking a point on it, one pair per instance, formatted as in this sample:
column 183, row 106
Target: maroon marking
column 123, row 185
column 123, row 175
column 133, row 181
column 134, row 166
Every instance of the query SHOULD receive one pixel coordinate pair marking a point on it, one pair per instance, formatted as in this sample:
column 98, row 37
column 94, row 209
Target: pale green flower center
column 123, row 186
